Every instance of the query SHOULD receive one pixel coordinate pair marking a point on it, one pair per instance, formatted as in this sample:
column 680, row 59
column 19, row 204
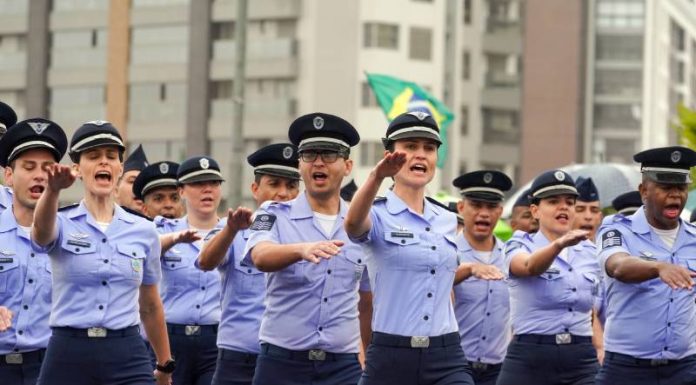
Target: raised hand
column 187, row 236
column 239, row 219
column 60, row 177
column 315, row 251
column 390, row 164
column 572, row 238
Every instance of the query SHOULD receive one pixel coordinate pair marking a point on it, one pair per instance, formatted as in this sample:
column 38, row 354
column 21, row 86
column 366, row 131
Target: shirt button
column 25, row 307
column 433, row 247
column 321, row 328
column 101, row 307
column 426, row 318
column 566, row 330
column 427, row 229
column 570, row 309
column 133, row 253
column 403, row 241
column 490, row 290
column 198, row 306
column 574, row 289
column 432, row 271
column 103, row 240
column 570, row 269
column 249, row 271
column 22, row 332
column 488, row 314
column 31, row 280
column 328, row 271
column 2, row 268
column 430, row 295
column 103, row 283
column 202, row 287
column 77, row 249
column 483, row 338
column 359, row 260
column 671, row 300
column 32, row 255
column 666, row 348
column 326, row 299
column 172, row 265
column 106, row 261
column 669, row 324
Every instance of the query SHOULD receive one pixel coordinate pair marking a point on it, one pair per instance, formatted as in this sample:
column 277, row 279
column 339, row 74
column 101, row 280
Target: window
column 500, row 126
column 623, row 82
column 223, row 31
column 467, row 11
column 462, row 168
column 466, row 65
column 617, row 47
column 380, row 35
column 611, row 116
column 620, row 14
column 370, row 153
column 464, row 121
column 677, row 37
column 420, row 44
column 368, row 98
column 221, row 89
column 676, row 69
column 620, row 150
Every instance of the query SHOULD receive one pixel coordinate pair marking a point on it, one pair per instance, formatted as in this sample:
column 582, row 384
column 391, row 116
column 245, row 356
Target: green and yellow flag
column 397, row 96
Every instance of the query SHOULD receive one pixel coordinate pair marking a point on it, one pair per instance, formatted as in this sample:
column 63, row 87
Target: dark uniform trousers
column 391, row 359
column 195, row 350
column 279, row 366
column 620, row 369
column 538, row 360
column 234, row 368
column 21, row 368
column 75, row 358
column 485, row 374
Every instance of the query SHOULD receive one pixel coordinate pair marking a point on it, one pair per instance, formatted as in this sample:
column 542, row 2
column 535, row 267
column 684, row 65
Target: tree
column 686, row 128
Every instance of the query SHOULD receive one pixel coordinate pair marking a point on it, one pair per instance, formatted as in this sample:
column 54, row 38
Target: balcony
column 502, row 80
column 262, row 118
column 265, row 59
column 225, row 10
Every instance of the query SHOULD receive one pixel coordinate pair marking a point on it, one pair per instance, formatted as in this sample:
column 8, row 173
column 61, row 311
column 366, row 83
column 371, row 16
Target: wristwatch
column 168, row 366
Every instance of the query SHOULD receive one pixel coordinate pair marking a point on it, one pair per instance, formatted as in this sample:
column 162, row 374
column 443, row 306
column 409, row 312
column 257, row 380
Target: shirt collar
column 8, row 222
column 119, row 213
column 396, row 205
column 301, row 209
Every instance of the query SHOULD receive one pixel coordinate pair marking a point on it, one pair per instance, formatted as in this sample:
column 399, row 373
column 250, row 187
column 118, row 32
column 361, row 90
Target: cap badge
column 205, row 163
column 676, row 156
column 419, row 114
column 318, row 122
column 487, row 178
column 164, row 168
column 287, row 152
column 39, row 127
column 559, row 175
column 98, row 122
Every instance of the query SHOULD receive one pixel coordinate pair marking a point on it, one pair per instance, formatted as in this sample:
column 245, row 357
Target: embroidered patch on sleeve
column 263, row 222
column 611, row 238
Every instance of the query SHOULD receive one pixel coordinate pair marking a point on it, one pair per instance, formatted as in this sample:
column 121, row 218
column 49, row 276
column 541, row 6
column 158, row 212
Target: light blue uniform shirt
column 412, row 259
column 97, row 274
column 190, row 296
column 561, row 299
column 309, row 306
column 25, row 288
column 648, row 319
column 5, row 197
column 482, row 308
column 243, row 292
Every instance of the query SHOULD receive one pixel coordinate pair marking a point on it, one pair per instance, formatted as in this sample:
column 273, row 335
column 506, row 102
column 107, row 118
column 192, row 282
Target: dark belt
column 644, row 362
column 192, row 330
column 33, row 357
column 482, row 367
column 306, row 355
column 233, row 355
column 416, row 342
column 553, row 339
column 96, row 332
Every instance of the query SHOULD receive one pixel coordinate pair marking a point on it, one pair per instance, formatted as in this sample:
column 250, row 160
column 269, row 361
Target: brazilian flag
column 397, row 96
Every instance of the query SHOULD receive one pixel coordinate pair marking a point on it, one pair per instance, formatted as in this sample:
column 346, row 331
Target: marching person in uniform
column 8, row 118
column 276, row 178
column 310, row 329
column 521, row 218
column 649, row 261
column 157, row 187
column 588, row 213
column 412, row 255
column 554, row 285
column 27, row 150
column 191, row 296
column 105, row 264
column 134, row 164
column 627, row 203
column 482, row 300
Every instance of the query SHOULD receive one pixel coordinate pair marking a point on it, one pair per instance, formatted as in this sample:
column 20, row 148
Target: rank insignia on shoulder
column 263, row 222
column 611, row 238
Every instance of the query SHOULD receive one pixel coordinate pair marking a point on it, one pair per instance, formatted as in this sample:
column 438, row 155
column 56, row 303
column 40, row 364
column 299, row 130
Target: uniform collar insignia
column 7, row 252
column 79, row 235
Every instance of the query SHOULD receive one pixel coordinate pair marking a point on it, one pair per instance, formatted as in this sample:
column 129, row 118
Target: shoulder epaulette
column 68, row 207
column 136, row 213
column 265, row 205
column 437, row 203
column 379, row 199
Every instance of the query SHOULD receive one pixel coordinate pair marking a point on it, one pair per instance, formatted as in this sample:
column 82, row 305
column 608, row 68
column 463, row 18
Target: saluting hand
column 675, row 276
column 5, row 318
column 239, row 219
column 572, row 238
column 314, row 252
column 187, row 236
column 390, row 164
column 60, row 177
column 487, row 272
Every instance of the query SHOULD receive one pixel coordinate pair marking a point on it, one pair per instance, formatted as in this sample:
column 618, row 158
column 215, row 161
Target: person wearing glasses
column 413, row 254
column 105, row 273
column 554, row 286
column 310, row 329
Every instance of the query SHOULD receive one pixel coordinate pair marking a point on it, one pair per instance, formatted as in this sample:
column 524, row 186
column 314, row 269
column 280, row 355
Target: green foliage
column 686, row 128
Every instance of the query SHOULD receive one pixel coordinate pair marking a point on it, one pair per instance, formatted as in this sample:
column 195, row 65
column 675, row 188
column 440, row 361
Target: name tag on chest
column 6, row 260
column 75, row 242
column 401, row 234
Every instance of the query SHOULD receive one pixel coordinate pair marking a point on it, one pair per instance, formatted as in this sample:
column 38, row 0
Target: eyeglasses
column 326, row 156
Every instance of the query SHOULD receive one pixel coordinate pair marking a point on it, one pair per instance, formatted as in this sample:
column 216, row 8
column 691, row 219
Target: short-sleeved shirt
column 309, row 306
column 5, row 197
column 412, row 259
column 25, row 288
column 559, row 300
column 648, row 319
column 97, row 274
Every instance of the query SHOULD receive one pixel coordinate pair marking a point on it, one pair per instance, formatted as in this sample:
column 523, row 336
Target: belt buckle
column 420, row 342
column 316, row 355
column 192, row 330
column 14, row 359
column 563, row 339
column 96, row 332
column 659, row 362
column 479, row 365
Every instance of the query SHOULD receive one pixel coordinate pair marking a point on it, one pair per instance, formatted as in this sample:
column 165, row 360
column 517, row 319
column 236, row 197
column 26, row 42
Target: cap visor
column 484, row 197
column 279, row 173
column 556, row 192
column 325, row 146
column 668, row 177
column 417, row 135
column 202, row 178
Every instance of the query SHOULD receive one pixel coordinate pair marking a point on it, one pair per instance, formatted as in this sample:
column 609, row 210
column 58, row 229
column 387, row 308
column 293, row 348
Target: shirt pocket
column 248, row 281
column 295, row 274
column 403, row 250
column 8, row 270
column 80, row 258
column 131, row 261
column 351, row 266
column 550, row 288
